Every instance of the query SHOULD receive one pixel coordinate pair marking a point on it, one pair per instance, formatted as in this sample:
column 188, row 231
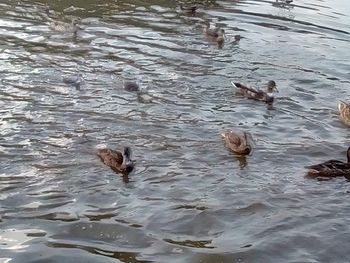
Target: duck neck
column 126, row 155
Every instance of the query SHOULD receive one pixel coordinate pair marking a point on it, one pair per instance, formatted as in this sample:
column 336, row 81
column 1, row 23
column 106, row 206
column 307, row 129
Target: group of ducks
column 239, row 142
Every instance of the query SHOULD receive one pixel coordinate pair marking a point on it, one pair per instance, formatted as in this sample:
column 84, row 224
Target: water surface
column 189, row 199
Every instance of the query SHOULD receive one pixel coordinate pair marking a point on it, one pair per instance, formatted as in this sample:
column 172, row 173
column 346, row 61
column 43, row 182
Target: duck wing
column 233, row 138
column 249, row 92
column 212, row 32
column 331, row 164
column 110, row 157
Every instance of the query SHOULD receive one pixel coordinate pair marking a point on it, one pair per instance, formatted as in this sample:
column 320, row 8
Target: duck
column 344, row 111
column 119, row 162
column 191, row 10
column 236, row 39
column 331, row 168
column 217, row 34
column 65, row 27
column 74, row 80
column 131, row 86
column 239, row 142
column 257, row 94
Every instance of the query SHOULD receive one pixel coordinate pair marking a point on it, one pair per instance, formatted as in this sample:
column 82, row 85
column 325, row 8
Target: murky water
column 189, row 199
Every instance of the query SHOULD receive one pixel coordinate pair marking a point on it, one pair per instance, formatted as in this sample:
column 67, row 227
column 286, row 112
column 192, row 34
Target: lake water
column 189, row 198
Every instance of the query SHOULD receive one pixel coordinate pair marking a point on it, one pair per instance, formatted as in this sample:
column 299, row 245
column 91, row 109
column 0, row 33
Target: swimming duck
column 75, row 81
column 236, row 39
column 331, row 168
column 131, row 86
column 119, row 162
column 344, row 110
column 216, row 34
column 257, row 94
column 65, row 27
column 191, row 10
column 239, row 142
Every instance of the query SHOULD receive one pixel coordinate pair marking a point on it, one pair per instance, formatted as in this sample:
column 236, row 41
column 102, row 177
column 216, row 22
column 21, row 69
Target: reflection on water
column 189, row 199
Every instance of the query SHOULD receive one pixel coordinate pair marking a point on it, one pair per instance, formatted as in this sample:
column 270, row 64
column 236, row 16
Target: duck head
column 237, row 38
column 271, row 86
column 75, row 21
column 127, row 154
column 248, row 147
column 220, row 38
column 128, row 163
column 221, row 32
column 206, row 26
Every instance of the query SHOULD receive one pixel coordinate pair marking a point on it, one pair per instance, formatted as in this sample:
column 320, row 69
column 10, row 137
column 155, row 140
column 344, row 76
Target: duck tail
column 235, row 84
column 243, row 87
column 342, row 105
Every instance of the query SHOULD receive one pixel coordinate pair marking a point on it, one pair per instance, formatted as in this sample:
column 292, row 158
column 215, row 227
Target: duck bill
column 275, row 89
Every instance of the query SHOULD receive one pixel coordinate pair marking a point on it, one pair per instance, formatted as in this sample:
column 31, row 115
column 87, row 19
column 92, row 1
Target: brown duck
column 239, row 142
column 119, row 162
column 65, row 27
column 257, row 94
column 331, row 168
column 217, row 34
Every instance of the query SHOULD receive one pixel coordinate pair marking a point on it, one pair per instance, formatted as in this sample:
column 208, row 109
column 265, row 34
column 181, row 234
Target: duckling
column 331, row 168
column 119, row 162
column 65, row 27
column 257, row 94
column 216, row 34
column 238, row 142
column 344, row 110
column 191, row 10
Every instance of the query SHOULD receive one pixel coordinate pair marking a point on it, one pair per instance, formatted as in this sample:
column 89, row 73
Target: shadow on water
column 129, row 257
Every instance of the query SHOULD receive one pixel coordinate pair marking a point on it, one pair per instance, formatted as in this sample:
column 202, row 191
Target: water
column 189, row 199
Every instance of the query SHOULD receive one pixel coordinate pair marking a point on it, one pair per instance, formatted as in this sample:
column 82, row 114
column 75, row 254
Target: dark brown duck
column 257, row 94
column 117, row 161
column 331, row 168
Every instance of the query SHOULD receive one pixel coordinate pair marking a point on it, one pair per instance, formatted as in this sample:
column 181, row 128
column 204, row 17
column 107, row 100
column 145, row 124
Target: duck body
column 59, row 26
column 331, row 168
column 344, row 111
column 191, row 10
column 117, row 161
column 256, row 94
column 131, row 86
column 238, row 142
column 217, row 34
column 75, row 81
